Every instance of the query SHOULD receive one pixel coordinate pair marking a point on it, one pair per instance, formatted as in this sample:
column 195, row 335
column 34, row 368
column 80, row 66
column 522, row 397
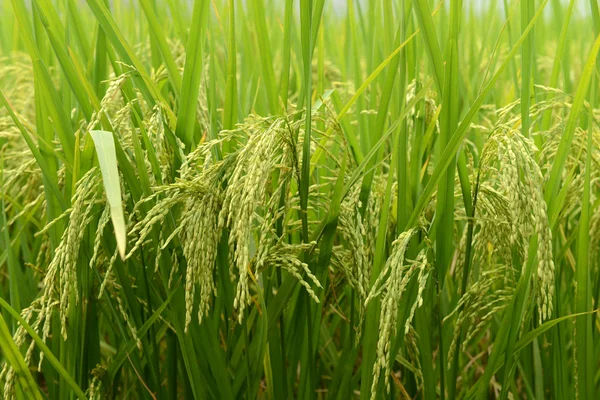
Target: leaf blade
column 107, row 158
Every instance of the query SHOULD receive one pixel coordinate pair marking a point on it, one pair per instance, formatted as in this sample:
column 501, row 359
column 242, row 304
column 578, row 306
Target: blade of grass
column 230, row 107
column 431, row 42
column 287, row 44
column 161, row 42
column 460, row 133
column 39, row 158
column 57, row 111
column 116, row 38
column 47, row 353
column 584, row 346
column 352, row 140
column 556, row 65
column 105, row 147
column 566, row 140
column 526, row 66
column 16, row 361
column 192, row 73
column 266, row 57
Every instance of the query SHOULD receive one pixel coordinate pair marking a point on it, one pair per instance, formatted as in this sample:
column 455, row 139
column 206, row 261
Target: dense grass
column 260, row 199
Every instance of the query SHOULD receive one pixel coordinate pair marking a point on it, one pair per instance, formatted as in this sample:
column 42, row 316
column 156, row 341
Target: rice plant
column 306, row 199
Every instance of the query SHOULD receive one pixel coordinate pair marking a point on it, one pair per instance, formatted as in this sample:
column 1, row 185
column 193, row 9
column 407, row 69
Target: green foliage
column 226, row 199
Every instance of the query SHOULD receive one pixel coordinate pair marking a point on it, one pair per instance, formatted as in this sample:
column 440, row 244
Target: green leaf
column 39, row 158
column 124, row 352
column 107, row 158
column 566, row 139
column 583, row 293
column 117, row 39
column 158, row 34
column 47, row 353
column 15, row 359
column 431, row 43
column 456, row 140
column 192, row 72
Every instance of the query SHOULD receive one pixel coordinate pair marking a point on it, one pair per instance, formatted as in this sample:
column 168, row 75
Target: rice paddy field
column 311, row 199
